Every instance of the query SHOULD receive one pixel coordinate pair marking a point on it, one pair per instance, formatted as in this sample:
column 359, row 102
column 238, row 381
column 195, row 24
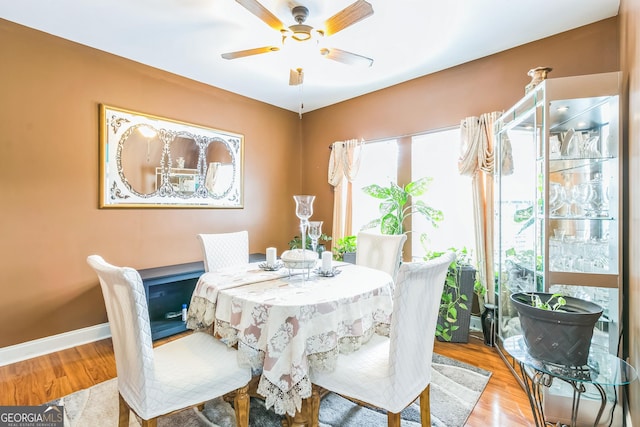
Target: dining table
column 286, row 322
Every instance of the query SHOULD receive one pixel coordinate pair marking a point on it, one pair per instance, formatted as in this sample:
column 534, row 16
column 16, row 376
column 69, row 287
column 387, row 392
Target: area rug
column 455, row 389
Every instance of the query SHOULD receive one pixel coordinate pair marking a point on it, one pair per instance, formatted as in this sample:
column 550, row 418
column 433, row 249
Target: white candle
column 326, row 260
column 271, row 256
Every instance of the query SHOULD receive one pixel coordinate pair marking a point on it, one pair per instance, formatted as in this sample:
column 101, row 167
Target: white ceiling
column 406, row 38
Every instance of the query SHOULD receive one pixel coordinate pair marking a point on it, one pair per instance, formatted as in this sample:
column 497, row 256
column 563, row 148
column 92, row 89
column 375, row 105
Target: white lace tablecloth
column 283, row 327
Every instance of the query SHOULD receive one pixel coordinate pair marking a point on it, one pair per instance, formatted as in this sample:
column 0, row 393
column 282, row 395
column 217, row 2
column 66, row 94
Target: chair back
column 380, row 251
column 128, row 315
column 416, row 302
column 224, row 249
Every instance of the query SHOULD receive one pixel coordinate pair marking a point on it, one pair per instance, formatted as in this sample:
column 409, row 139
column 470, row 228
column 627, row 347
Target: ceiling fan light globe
column 301, row 32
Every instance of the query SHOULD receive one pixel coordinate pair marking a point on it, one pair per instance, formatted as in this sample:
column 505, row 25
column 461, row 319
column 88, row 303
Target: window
column 436, row 155
column 379, row 165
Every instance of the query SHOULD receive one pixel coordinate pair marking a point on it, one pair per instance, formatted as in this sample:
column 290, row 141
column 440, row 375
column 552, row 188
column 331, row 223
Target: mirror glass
column 149, row 161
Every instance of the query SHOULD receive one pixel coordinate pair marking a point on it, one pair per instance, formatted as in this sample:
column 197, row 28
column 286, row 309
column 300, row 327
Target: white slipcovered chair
column 224, row 249
column 380, row 251
column 390, row 373
column 180, row 374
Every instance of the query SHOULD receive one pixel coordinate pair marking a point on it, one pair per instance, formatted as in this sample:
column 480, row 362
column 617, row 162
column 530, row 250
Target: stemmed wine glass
column 304, row 210
column 315, row 231
column 582, row 195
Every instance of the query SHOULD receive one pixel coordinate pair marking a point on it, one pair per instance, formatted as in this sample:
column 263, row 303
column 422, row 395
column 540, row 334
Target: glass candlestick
column 315, row 231
column 304, row 210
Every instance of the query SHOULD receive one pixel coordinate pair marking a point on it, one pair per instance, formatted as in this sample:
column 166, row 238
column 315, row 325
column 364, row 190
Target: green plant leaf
column 395, row 200
column 376, row 191
column 390, row 225
column 418, row 187
column 387, row 208
column 372, row 224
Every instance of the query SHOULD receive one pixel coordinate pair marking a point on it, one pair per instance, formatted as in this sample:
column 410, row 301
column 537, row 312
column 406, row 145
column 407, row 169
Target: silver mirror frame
column 172, row 185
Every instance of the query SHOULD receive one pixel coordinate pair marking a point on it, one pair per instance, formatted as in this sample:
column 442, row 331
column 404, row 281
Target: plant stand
column 466, row 280
column 349, row 257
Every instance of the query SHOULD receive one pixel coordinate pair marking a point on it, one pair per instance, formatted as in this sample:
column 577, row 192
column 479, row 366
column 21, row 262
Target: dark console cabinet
column 167, row 288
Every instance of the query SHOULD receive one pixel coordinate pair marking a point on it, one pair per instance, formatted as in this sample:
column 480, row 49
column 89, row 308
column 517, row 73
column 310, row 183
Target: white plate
column 564, row 146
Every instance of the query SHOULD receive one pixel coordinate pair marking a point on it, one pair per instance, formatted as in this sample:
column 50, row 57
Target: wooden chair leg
column 123, row 412
column 314, row 406
column 241, row 407
column 425, row 407
column 393, row 419
column 153, row 422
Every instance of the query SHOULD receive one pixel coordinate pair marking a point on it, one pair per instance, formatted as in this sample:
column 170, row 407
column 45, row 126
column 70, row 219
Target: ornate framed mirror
column 150, row 161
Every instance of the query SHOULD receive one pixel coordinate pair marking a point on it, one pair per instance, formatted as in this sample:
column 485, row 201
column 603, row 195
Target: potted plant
column 393, row 209
column 296, row 243
column 556, row 328
column 344, row 249
column 454, row 315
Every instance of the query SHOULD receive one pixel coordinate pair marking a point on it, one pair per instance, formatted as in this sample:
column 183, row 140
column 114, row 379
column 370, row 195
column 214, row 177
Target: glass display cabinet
column 558, row 200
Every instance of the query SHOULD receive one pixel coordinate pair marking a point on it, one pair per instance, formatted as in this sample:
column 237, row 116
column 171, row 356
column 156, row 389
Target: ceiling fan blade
column 263, row 13
column 249, row 52
column 348, row 16
column 346, row 57
column 296, row 76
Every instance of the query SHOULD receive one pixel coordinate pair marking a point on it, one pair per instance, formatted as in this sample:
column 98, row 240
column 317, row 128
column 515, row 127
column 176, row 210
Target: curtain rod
column 442, row 129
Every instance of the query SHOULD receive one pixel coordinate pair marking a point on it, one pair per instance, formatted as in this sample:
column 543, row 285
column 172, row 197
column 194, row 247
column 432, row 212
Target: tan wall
column 630, row 65
column 442, row 99
column 50, row 91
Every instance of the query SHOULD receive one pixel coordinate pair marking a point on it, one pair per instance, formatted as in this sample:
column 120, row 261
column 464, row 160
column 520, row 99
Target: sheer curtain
column 477, row 161
column 343, row 164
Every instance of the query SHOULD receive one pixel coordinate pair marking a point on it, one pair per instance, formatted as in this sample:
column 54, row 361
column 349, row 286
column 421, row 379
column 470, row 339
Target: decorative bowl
column 299, row 259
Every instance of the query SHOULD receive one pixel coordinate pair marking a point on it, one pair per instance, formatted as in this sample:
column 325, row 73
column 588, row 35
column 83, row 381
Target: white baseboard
column 39, row 347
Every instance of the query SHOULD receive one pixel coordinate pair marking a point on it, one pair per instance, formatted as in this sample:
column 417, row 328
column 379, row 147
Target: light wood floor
column 41, row 379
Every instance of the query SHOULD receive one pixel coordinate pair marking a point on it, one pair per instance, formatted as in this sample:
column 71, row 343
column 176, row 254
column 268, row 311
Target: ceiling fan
column 302, row 33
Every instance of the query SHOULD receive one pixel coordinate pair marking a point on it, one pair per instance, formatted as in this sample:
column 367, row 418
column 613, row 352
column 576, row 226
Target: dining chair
column 380, row 251
column 225, row 249
column 180, row 374
column 391, row 373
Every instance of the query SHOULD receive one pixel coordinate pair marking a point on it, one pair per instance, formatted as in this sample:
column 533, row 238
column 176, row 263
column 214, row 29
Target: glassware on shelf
column 581, row 194
column 554, row 147
column 557, row 196
column 599, row 200
column 574, row 145
column 579, row 254
column 589, row 147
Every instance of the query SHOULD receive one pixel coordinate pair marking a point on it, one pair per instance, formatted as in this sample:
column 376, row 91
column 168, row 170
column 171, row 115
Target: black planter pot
column 562, row 337
column 488, row 318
